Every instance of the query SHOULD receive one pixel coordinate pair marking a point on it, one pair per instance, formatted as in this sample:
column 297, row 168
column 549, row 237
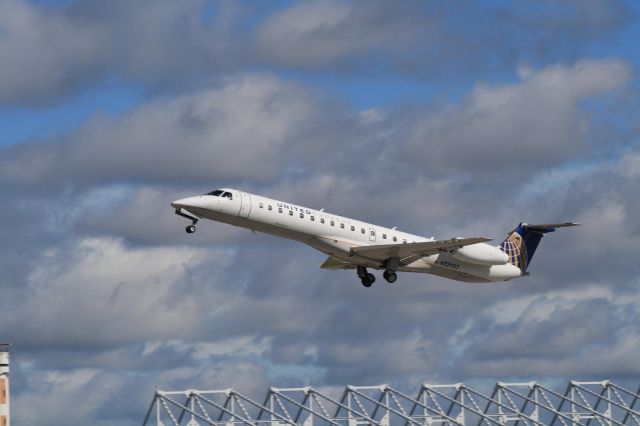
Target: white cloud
column 101, row 292
column 630, row 165
column 242, row 129
column 535, row 123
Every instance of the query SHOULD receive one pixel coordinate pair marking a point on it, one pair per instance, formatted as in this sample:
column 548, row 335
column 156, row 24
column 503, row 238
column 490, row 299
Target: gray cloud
column 169, row 45
column 56, row 50
column 323, row 34
column 569, row 334
column 66, row 48
column 426, row 38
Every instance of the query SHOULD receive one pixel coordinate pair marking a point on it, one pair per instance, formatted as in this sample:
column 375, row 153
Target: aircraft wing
column 335, row 263
column 410, row 252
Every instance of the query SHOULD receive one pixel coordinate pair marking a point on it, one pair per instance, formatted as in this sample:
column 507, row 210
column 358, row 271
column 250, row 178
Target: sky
column 443, row 118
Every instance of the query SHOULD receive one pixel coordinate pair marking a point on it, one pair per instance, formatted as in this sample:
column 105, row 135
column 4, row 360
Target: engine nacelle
column 481, row 254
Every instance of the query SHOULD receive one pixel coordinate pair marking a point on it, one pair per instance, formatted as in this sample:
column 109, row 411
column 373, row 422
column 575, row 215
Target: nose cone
column 181, row 203
column 186, row 203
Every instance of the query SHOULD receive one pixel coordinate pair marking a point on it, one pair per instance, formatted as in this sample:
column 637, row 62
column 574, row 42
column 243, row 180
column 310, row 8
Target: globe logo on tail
column 516, row 249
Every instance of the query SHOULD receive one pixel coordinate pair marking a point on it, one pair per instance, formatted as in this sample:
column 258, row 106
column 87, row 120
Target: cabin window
column 372, row 233
column 227, row 195
column 312, row 218
column 362, row 230
column 404, row 241
column 353, row 228
column 395, row 238
column 301, row 215
column 384, row 236
column 260, row 205
column 269, row 207
column 279, row 209
column 332, row 223
column 290, row 212
column 342, row 225
column 322, row 220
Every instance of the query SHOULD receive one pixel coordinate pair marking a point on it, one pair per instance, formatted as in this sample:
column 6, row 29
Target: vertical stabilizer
column 522, row 242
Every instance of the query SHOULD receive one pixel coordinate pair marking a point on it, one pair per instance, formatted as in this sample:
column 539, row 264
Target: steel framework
column 582, row 403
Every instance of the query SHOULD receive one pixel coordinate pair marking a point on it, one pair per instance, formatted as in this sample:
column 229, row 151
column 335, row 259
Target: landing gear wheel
column 191, row 229
column 368, row 279
column 390, row 276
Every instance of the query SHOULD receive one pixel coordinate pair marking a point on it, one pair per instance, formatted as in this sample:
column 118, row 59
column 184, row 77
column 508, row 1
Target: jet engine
column 481, row 254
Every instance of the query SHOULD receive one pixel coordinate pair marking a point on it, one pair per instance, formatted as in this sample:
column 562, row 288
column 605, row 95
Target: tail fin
column 522, row 242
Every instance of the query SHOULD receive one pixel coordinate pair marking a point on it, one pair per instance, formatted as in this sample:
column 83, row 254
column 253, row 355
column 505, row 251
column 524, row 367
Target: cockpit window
column 221, row 193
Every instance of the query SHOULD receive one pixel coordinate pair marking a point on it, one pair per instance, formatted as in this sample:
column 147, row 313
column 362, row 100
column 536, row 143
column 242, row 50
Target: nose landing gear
column 366, row 278
column 190, row 228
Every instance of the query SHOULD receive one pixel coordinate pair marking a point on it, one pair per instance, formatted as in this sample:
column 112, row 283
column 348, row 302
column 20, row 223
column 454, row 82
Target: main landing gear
column 367, row 278
column 191, row 229
column 390, row 276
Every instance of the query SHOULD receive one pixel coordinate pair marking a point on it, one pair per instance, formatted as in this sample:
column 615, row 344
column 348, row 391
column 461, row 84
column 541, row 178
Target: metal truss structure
column 582, row 403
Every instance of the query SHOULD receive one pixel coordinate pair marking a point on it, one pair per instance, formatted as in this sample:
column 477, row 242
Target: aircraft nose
column 182, row 203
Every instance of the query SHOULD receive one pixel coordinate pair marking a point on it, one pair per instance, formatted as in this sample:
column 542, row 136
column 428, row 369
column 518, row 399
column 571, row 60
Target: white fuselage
column 336, row 235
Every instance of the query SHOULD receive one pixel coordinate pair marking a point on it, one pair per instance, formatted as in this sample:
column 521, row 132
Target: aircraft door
column 372, row 234
column 245, row 205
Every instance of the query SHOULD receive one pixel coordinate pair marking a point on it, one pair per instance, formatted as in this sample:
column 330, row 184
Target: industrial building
column 602, row 403
column 5, row 406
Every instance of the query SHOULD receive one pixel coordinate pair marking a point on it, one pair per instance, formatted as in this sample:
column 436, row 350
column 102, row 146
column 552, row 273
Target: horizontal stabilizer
column 549, row 227
column 414, row 250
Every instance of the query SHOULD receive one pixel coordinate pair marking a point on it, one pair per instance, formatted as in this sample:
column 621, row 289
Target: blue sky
column 445, row 119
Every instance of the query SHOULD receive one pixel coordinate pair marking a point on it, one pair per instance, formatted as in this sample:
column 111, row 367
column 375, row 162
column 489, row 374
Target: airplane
column 353, row 244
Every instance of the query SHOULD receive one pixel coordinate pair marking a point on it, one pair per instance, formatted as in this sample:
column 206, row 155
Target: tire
column 391, row 277
column 191, row 229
